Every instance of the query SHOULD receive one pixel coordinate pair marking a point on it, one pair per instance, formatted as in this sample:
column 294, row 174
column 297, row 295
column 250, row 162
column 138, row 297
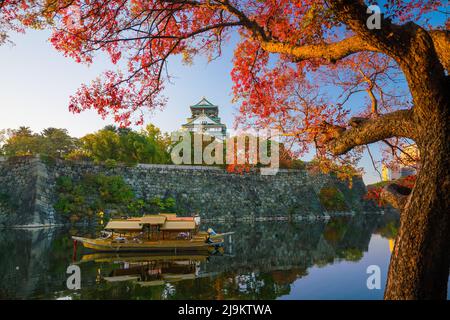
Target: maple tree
column 284, row 45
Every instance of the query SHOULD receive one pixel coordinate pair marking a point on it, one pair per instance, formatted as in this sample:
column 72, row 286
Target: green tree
column 161, row 141
column 92, row 194
column 57, row 142
column 135, row 148
column 4, row 135
column 51, row 142
column 127, row 146
column 22, row 142
column 101, row 145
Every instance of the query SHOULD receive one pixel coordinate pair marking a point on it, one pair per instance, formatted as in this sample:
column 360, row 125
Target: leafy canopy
column 290, row 53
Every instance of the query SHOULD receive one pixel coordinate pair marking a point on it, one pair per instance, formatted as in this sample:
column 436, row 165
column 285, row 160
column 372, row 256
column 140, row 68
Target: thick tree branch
column 396, row 195
column 394, row 124
column 331, row 51
column 328, row 51
column 390, row 38
column 441, row 41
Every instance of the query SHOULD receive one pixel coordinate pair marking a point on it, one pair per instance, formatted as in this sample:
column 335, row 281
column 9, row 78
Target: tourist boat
column 160, row 232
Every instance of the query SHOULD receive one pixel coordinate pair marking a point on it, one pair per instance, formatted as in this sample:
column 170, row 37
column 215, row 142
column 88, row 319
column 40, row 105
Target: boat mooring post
column 74, row 255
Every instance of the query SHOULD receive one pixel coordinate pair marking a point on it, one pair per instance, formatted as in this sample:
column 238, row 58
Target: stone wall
column 212, row 192
column 18, row 183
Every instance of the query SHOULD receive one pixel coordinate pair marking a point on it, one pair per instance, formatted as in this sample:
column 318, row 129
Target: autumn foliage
column 275, row 88
column 275, row 85
column 375, row 192
column 297, row 67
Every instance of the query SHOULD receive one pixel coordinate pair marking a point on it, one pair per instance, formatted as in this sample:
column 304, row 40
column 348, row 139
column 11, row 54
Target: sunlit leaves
column 273, row 90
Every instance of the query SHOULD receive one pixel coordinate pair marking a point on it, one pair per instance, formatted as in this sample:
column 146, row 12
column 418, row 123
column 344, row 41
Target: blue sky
column 36, row 82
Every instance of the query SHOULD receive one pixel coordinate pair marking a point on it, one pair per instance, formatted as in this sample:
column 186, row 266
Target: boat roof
column 169, row 215
column 166, row 221
column 131, row 225
column 160, row 219
column 154, row 219
column 181, row 219
column 174, row 217
column 178, row 225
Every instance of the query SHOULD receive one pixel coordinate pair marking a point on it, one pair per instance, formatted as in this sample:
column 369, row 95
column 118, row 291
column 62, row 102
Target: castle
column 205, row 119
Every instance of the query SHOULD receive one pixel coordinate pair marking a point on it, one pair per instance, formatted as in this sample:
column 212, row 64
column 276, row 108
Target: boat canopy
column 172, row 225
column 169, row 215
column 124, row 225
column 166, row 222
column 155, row 219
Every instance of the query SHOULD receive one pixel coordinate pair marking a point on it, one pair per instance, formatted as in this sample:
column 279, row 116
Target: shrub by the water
column 332, row 199
column 90, row 195
column 111, row 163
column 100, row 193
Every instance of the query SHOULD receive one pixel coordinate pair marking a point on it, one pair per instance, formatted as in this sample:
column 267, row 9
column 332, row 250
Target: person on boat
column 210, row 232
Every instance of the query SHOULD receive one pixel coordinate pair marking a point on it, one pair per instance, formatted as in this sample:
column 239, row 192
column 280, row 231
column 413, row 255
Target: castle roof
column 203, row 118
column 202, row 104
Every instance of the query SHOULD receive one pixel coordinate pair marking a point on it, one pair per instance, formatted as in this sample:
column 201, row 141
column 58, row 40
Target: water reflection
column 262, row 260
column 149, row 269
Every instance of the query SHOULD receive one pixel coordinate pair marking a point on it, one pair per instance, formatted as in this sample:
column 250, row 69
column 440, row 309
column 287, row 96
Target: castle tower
column 205, row 119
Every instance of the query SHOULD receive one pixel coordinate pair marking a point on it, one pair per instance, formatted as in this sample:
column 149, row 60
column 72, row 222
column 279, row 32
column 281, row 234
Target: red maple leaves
column 375, row 193
column 273, row 90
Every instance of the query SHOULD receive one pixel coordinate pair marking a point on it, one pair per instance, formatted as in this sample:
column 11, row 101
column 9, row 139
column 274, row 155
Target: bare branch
column 373, row 162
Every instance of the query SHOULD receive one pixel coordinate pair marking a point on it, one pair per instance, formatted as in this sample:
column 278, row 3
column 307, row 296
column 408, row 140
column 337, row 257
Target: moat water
column 262, row 260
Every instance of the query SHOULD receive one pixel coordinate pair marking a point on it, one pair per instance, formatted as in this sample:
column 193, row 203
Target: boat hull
column 154, row 246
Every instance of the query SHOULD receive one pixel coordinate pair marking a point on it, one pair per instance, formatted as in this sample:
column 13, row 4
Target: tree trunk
column 419, row 267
